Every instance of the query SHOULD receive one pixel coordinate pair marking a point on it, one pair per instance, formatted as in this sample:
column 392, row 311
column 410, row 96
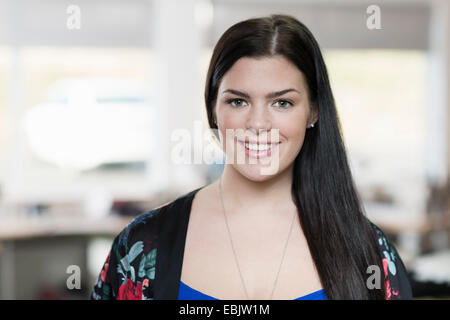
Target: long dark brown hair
column 339, row 235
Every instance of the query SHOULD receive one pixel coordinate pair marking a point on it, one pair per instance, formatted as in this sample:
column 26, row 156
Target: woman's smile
column 258, row 149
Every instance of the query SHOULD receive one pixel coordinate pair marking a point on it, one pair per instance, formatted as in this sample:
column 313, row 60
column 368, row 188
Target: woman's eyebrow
column 268, row 96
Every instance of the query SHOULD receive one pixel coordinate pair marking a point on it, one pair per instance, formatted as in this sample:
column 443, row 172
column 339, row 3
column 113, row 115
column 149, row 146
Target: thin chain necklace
column 234, row 251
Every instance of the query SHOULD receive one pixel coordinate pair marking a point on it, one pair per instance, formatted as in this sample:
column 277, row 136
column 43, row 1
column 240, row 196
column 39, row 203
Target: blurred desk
column 35, row 254
column 412, row 231
column 26, row 228
column 396, row 220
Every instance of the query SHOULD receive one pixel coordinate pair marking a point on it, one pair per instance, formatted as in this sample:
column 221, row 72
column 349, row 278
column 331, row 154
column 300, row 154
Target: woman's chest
column 225, row 263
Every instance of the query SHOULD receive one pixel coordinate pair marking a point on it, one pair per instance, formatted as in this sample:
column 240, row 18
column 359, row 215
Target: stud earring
column 312, row 125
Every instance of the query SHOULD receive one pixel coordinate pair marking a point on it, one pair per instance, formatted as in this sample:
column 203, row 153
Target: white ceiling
column 335, row 24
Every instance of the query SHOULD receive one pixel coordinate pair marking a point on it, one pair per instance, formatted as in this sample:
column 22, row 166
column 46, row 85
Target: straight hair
column 339, row 236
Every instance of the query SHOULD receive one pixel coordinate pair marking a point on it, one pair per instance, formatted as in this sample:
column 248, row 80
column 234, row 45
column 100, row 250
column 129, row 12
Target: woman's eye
column 283, row 104
column 232, row 102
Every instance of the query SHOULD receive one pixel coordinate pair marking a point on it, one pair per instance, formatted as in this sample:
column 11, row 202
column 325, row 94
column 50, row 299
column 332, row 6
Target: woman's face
column 249, row 110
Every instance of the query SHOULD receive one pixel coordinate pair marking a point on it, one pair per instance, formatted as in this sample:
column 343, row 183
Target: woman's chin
column 256, row 172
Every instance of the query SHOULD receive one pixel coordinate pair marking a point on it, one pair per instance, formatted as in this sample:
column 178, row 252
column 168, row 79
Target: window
column 381, row 101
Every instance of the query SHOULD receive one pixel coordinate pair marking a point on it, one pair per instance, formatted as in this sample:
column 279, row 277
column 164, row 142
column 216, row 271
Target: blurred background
column 91, row 93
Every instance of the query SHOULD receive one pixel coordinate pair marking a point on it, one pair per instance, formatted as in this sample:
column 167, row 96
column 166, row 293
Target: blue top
column 187, row 293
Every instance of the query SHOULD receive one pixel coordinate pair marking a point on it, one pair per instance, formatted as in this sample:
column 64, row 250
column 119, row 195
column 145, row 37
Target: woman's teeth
column 259, row 147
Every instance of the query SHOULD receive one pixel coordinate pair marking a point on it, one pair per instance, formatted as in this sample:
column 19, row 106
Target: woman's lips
column 258, row 150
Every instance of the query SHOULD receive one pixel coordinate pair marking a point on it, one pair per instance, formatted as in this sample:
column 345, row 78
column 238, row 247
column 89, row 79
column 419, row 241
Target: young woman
column 297, row 232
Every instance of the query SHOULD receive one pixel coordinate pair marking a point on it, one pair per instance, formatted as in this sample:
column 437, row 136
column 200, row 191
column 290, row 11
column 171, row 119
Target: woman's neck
column 246, row 196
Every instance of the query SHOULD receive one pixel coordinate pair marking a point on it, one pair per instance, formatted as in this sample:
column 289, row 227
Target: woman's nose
column 258, row 119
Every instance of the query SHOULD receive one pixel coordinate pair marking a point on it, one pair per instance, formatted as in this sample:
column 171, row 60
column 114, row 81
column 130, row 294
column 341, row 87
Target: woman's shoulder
column 131, row 261
column 129, row 269
column 396, row 278
column 385, row 246
column 148, row 225
column 140, row 227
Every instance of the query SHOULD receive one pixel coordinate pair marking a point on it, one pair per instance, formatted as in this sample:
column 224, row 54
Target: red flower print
column 129, row 292
column 103, row 274
column 388, row 290
column 105, row 268
column 385, row 267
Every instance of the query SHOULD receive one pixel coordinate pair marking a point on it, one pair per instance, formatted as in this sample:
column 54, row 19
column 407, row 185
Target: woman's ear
column 314, row 114
column 214, row 114
column 214, row 118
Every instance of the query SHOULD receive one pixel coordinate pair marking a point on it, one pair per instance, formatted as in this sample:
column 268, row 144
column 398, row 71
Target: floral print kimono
column 145, row 260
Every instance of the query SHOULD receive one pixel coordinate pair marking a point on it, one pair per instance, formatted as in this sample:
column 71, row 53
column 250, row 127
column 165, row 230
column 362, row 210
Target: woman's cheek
column 294, row 133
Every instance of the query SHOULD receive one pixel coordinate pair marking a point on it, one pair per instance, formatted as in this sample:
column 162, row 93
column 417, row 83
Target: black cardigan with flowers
column 146, row 257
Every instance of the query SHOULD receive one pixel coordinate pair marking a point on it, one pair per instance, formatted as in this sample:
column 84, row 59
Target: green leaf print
column 147, row 265
column 135, row 250
column 141, row 272
column 106, row 291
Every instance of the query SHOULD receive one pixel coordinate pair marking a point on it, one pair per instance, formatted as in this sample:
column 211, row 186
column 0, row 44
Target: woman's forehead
column 262, row 76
